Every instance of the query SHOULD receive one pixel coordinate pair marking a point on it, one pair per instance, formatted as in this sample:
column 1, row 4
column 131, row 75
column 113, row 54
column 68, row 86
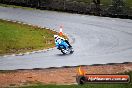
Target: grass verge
column 16, row 38
column 127, row 85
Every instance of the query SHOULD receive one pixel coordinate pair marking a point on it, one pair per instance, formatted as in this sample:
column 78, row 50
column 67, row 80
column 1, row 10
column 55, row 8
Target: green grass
column 16, row 38
column 121, row 85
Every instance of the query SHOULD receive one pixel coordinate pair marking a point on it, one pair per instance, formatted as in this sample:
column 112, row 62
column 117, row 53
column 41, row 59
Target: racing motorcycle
column 63, row 49
column 63, row 45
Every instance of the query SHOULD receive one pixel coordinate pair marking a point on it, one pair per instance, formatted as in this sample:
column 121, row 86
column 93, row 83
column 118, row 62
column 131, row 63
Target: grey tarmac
column 96, row 40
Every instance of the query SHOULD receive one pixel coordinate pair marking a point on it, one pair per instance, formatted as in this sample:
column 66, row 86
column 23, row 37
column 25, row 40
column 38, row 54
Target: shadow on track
column 64, row 54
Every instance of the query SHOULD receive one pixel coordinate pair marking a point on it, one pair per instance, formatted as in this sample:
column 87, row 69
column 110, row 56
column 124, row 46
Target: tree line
column 117, row 8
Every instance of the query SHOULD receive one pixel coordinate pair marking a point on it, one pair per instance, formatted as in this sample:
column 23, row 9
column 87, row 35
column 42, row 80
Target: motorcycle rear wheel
column 68, row 51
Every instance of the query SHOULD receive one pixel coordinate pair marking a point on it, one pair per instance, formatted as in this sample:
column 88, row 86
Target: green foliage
column 106, row 2
column 128, row 3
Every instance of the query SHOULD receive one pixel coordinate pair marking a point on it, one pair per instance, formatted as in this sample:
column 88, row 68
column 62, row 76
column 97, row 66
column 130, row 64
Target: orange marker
column 61, row 33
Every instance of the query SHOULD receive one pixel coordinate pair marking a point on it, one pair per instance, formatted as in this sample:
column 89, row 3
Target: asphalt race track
column 96, row 40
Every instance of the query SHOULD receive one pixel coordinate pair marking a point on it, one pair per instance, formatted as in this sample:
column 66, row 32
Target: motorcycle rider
column 59, row 41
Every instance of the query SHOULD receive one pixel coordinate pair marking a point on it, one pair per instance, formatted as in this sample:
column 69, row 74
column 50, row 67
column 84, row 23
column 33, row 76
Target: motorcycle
column 69, row 50
column 65, row 47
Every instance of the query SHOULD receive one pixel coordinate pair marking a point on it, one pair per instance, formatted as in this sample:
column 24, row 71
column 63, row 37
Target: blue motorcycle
column 65, row 47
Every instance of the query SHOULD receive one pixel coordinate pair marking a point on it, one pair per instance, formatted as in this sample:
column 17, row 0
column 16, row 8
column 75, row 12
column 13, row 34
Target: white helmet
column 58, row 37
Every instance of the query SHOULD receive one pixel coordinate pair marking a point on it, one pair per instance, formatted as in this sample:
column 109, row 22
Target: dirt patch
column 56, row 75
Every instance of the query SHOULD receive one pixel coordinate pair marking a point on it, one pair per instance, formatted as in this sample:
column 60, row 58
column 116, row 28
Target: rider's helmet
column 56, row 37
